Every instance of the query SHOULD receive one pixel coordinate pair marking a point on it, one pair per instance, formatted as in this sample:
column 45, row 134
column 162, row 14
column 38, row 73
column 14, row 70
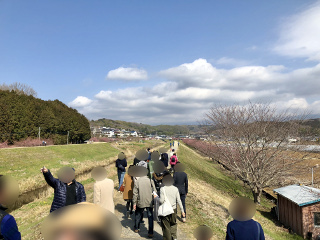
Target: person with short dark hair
column 8, row 226
column 67, row 191
column 181, row 182
column 173, row 160
column 149, row 152
column 165, row 159
column 121, row 164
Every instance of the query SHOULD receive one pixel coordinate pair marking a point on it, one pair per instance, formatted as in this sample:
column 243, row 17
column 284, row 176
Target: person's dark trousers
column 169, row 226
column 129, row 205
column 139, row 215
column 183, row 200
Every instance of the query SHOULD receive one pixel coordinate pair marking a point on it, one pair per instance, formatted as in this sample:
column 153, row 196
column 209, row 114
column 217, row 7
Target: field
column 28, row 162
column 211, row 188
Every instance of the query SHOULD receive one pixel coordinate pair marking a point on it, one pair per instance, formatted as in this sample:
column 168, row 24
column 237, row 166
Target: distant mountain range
column 169, row 130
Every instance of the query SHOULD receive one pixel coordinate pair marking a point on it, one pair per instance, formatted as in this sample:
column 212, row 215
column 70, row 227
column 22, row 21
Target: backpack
column 173, row 160
column 2, row 215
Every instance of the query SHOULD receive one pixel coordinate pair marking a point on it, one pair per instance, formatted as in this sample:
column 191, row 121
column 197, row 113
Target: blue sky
column 165, row 61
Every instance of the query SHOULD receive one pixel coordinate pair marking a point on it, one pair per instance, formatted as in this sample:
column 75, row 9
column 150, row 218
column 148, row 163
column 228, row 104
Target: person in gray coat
column 143, row 192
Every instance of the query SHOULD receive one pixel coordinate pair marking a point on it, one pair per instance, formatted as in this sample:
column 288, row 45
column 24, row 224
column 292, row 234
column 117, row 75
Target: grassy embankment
column 211, row 189
column 24, row 164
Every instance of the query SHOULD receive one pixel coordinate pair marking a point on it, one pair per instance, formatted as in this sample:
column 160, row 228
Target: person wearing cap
column 8, row 226
column 67, row 190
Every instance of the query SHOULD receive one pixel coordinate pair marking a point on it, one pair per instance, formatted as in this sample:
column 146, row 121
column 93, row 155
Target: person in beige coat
column 103, row 189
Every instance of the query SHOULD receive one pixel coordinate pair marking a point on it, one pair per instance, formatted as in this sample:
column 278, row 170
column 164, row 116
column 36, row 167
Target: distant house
column 133, row 134
column 298, row 207
column 292, row 140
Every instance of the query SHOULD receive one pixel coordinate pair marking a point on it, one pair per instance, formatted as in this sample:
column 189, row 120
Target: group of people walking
column 148, row 185
column 155, row 183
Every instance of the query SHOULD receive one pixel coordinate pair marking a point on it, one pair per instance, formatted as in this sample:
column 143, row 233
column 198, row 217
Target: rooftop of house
column 299, row 194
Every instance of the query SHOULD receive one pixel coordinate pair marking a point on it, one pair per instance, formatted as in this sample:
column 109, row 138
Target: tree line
column 21, row 116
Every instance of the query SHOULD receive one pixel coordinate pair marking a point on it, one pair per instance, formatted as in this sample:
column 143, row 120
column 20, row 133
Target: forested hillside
column 21, row 115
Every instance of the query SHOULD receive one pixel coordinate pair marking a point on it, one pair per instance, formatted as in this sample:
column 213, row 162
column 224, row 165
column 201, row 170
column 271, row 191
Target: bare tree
column 251, row 141
column 19, row 88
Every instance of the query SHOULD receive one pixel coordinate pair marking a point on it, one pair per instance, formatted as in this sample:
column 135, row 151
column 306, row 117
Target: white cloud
column 297, row 103
column 300, row 34
column 127, row 74
column 80, row 101
column 231, row 61
column 191, row 88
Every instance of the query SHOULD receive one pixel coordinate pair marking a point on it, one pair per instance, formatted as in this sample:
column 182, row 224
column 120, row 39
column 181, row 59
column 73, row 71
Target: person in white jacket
column 169, row 223
column 103, row 189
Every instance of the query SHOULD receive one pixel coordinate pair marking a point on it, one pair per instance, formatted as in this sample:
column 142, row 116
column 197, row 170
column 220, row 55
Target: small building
column 298, row 208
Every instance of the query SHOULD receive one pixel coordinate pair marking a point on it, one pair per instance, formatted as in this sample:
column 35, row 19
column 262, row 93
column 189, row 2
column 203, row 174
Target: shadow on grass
column 271, row 216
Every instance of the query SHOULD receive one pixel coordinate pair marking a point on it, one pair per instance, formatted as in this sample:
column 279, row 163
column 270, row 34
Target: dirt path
column 128, row 223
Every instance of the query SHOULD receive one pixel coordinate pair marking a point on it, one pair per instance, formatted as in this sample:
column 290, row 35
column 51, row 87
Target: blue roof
column 300, row 194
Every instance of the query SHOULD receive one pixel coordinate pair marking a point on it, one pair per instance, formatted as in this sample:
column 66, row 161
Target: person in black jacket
column 67, row 190
column 165, row 159
column 121, row 164
column 181, row 182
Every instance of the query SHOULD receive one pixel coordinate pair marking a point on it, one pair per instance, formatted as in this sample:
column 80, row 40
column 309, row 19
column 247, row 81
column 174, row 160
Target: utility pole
column 316, row 166
column 68, row 138
column 39, row 134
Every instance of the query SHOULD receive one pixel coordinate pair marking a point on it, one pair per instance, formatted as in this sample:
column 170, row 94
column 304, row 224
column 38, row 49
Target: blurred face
column 66, row 174
column 9, row 192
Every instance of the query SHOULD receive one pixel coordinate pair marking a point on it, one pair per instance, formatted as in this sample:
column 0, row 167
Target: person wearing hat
column 243, row 227
column 67, row 190
column 8, row 226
